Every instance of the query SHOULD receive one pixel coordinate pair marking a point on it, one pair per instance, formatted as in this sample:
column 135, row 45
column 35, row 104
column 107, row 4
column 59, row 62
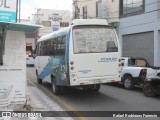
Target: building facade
column 102, row 9
column 139, row 30
column 51, row 20
column 54, row 19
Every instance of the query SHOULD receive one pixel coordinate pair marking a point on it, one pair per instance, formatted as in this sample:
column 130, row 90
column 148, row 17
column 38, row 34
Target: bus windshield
column 94, row 39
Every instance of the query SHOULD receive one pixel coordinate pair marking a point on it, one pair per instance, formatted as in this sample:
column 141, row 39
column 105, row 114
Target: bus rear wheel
column 97, row 87
column 56, row 89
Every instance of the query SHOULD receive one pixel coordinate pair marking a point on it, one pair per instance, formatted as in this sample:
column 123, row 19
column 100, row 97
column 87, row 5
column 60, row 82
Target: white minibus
column 85, row 54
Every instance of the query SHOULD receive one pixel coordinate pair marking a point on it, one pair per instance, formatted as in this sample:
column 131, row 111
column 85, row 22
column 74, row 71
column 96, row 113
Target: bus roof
column 55, row 34
column 89, row 22
column 19, row 26
column 75, row 22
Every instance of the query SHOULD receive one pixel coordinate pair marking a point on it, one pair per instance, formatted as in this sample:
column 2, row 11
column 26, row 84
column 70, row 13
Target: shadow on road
column 137, row 88
column 84, row 96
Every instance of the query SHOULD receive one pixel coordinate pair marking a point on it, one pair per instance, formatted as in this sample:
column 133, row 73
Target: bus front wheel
column 56, row 89
column 39, row 81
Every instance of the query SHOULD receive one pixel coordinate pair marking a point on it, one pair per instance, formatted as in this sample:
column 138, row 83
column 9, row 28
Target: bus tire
column 97, row 87
column 39, row 81
column 56, row 89
column 149, row 90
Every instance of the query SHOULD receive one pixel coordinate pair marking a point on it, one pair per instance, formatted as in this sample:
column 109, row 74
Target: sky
column 29, row 7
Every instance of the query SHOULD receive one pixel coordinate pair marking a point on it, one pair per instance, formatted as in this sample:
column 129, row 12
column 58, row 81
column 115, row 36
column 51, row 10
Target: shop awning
column 19, row 26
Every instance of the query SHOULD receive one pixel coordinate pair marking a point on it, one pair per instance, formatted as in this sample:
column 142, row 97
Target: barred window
column 131, row 7
column 85, row 12
column 64, row 24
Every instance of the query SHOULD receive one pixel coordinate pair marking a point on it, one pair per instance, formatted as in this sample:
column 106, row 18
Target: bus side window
column 38, row 49
column 63, row 45
column 49, row 46
column 59, row 42
column 53, row 47
column 41, row 49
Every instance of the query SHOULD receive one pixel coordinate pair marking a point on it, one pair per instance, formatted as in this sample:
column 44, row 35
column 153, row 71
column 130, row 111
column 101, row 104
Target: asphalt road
column 109, row 98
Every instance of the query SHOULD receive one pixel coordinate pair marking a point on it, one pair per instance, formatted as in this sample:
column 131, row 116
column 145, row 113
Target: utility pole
column 19, row 11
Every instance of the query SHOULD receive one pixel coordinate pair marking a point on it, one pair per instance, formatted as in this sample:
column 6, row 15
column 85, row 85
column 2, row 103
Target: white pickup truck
column 136, row 70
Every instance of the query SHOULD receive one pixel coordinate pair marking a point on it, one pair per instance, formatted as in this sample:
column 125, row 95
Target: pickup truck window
column 137, row 62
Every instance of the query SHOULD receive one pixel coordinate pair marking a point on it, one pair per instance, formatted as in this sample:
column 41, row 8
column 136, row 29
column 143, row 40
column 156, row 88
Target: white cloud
column 26, row 11
column 54, row 4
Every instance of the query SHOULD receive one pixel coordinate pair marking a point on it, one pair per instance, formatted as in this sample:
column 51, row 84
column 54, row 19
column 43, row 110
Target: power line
column 66, row 11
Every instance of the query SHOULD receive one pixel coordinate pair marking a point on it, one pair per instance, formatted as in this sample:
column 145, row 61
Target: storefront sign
column 8, row 10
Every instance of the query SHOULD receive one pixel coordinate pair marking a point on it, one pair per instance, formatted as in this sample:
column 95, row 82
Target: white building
column 53, row 19
column 140, row 29
column 103, row 9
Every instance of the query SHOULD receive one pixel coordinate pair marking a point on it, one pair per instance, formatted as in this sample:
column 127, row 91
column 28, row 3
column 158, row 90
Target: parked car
column 135, row 71
column 29, row 61
column 151, row 86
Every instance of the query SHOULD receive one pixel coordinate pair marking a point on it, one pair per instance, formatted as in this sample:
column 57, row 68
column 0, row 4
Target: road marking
column 78, row 114
column 69, row 107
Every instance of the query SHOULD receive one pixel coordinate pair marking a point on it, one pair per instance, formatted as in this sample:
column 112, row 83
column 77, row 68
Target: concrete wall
column 145, row 22
column 45, row 14
column 110, row 10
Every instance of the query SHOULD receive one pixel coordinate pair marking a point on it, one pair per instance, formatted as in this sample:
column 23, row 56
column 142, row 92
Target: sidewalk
column 38, row 101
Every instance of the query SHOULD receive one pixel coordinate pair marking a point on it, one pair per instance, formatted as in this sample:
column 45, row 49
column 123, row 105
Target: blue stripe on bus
column 68, row 41
column 46, row 71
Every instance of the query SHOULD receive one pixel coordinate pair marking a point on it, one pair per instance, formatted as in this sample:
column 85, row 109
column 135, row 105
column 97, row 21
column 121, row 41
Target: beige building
column 54, row 19
column 102, row 9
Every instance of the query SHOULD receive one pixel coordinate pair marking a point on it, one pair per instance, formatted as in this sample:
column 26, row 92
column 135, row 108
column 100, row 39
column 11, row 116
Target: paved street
column 109, row 98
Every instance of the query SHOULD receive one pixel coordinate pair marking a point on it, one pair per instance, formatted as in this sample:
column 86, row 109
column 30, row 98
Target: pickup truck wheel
column 149, row 90
column 56, row 89
column 128, row 82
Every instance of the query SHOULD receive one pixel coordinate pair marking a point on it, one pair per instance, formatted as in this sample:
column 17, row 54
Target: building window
column 131, row 7
column 85, row 12
column 99, row 9
column 46, row 23
column 64, row 24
